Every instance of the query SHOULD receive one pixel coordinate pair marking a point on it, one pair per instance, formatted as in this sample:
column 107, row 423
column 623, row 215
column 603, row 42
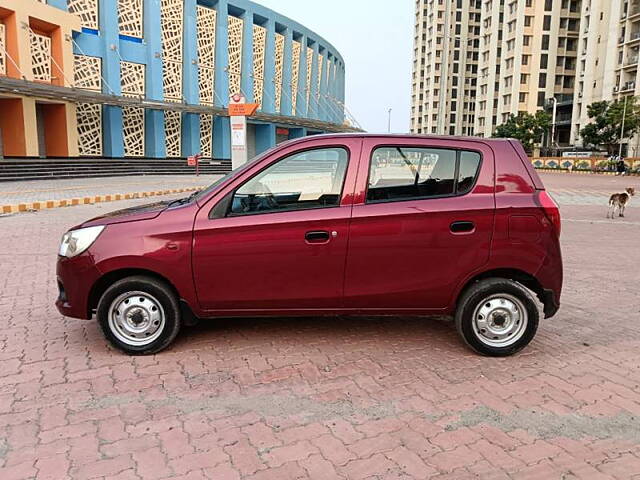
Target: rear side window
column 404, row 173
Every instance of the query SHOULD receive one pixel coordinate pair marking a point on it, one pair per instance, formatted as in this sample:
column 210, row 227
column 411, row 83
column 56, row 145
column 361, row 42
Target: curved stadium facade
column 152, row 78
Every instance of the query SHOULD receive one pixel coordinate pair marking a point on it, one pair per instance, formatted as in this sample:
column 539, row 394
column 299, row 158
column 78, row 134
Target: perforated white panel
column 172, row 81
column 295, row 75
column 3, row 47
column 40, row 57
column 309, row 74
column 206, row 84
column 89, row 118
column 172, row 28
column 87, row 10
column 130, row 15
column 235, row 54
column 132, row 79
column 206, row 135
column 206, row 53
column 171, row 23
column 87, row 72
column 133, row 131
column 259, row 43
column 278, row 73
column 172, row 132
column 319, row 79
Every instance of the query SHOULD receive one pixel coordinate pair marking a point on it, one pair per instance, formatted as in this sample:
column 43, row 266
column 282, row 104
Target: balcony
column 634, row 37
column 631, row 61
column 627, row 87
column 633, row 13
column 564, row 99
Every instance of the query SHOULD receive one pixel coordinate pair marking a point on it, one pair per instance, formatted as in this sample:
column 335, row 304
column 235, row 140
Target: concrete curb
column 71, row 202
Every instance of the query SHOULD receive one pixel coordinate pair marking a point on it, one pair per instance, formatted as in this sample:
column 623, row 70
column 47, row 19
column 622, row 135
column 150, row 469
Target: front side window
column 404, row 173
column 302, row 181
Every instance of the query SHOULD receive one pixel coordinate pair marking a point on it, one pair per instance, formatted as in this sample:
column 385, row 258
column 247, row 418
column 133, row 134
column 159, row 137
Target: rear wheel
column 139, row 315
column 497, row 317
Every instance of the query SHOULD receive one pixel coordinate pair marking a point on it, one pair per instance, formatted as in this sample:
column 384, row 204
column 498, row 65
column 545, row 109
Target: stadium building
column 153, row 78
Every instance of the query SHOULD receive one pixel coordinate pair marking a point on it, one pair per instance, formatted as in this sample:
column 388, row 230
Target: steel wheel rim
column 136, row 318
column 500, row 320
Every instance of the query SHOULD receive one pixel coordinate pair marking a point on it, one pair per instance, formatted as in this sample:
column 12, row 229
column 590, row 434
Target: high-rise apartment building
column 445, row 66
column 526, row 55
column 609, row 48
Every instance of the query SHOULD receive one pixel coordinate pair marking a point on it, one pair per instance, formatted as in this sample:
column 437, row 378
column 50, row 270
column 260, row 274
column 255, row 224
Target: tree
column 606, row 123
column 525, row 127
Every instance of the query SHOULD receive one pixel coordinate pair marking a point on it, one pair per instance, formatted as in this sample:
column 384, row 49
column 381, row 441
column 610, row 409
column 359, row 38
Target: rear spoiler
column 535, row 178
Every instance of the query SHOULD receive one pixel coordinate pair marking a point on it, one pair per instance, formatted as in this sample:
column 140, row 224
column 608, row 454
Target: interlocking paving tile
column 325, row 398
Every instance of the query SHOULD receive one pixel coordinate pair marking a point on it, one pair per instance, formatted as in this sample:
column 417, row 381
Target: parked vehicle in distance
column 331, row 225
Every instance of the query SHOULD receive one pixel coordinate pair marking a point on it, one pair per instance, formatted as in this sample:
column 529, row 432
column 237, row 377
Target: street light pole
column 624, row 117
column 389, row 120
column 553, row 124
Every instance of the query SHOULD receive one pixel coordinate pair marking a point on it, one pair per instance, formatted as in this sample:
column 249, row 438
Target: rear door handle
column 462, row 227
column 318, row 236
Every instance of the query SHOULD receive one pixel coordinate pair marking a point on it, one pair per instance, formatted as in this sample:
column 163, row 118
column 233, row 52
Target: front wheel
column 139, row 315
column 497, row 317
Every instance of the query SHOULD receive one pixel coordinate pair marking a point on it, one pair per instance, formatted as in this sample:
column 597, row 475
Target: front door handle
column 318, row 236
column 462, row 227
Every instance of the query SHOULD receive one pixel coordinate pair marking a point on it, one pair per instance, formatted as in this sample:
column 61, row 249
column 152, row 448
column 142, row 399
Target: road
column 328, row 398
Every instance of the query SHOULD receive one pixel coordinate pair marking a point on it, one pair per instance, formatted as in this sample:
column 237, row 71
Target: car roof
column 407, row 135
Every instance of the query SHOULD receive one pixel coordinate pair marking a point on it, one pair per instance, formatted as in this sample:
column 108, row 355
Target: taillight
column 551, row 210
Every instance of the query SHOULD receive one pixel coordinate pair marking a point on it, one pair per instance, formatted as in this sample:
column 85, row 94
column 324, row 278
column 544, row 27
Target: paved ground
column 344, row 398
column 42, row 190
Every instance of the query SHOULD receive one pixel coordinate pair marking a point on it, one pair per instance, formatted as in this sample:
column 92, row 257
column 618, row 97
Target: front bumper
column 76, row 276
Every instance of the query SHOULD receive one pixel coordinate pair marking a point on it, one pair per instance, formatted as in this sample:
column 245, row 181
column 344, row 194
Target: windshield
column 211, row 188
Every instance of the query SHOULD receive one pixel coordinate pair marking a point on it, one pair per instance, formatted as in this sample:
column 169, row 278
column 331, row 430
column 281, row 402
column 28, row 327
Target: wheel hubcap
column 500, row 320
column 136, row 318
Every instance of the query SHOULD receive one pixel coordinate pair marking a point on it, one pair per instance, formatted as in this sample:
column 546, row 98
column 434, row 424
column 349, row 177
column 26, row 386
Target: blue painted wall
column 112, row 48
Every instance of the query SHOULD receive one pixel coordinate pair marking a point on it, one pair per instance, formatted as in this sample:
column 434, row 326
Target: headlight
column 77, row 241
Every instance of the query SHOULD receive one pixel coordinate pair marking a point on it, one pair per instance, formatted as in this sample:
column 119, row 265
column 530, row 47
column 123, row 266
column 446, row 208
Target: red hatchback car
column 331, row 225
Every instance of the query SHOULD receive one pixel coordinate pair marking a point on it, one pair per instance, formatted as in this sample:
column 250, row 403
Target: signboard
column 242, row 109
column 282, row 131
column 238, row 109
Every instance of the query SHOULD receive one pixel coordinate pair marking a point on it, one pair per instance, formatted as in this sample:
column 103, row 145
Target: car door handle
column 462, row 227
column 318, row 236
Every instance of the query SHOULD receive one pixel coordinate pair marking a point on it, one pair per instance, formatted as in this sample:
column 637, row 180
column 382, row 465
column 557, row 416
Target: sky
column 375, row 39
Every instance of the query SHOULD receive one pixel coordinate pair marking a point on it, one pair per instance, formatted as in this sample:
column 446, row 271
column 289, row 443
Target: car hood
column 132, row 214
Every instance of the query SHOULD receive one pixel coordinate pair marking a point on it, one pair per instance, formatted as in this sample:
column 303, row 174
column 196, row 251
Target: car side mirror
column 222, row 207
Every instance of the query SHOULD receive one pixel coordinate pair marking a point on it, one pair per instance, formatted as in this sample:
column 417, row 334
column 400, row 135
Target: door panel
column 411, row 254
column 265, row 261
column 280, row 261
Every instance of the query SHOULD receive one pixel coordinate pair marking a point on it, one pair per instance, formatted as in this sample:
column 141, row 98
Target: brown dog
column 620, row 201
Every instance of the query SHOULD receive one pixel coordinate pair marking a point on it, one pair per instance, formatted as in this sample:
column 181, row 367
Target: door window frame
column 227, row 201
column 455, row 193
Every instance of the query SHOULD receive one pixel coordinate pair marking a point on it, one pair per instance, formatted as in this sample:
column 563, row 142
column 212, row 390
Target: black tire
column 157, row 290
column 479, row 295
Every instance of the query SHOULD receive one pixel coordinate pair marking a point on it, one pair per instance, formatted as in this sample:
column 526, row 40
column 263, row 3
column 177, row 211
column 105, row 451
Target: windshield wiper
column 184, row 200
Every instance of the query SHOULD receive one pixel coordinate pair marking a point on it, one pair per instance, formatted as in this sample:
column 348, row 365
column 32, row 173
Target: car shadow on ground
column 305, row 331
